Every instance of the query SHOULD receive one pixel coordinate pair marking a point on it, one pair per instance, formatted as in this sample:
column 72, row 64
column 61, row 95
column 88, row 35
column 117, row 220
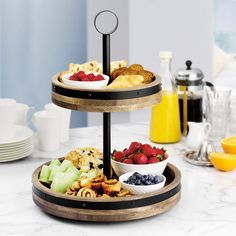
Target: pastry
column 105, row 196
column 117, row 72
column 75, row 186
column 147, row 75
column 111, row 186
column 71, row 192
column 136, row 67
column 123, row 193
column 85, row 182
column 86, row 192
column 96, row 183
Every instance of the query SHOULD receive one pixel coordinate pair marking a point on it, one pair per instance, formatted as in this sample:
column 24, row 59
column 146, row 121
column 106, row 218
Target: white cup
column 7, row 113
column 47, row 124
column 197, row 133
column 21, row 114
column 64, row 115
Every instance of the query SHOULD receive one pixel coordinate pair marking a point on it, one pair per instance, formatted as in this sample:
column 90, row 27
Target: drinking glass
column 217, row 112
column 64, row 115
column 47, row 124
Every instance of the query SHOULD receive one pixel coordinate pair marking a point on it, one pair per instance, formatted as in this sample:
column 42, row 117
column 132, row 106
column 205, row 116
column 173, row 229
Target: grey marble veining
column 207, row 205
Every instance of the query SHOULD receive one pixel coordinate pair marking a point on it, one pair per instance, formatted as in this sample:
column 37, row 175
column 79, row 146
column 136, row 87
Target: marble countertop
column 207, row 205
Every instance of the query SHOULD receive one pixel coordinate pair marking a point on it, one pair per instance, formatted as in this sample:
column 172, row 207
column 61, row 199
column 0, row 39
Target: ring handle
column 106, row 22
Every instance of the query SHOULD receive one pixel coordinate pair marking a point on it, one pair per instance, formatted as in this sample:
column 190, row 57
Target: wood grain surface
column 173, row 177
column 96, row 105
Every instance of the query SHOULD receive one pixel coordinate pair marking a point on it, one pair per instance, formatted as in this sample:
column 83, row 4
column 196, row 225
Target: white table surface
column 207, row 205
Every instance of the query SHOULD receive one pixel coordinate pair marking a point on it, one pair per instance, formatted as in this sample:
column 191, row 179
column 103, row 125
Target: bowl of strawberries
column 86, row 80
column 139, row 157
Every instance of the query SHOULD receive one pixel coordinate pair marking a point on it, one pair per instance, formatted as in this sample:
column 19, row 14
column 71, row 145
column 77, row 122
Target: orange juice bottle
column 165, row 120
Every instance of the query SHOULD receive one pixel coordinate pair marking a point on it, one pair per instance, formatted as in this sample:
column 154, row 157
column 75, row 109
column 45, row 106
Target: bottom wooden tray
column 111, row 209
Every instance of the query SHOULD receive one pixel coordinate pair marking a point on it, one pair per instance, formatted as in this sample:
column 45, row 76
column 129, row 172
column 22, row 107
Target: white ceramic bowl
column 122, row 168
column 141, row 189
column 86, row 84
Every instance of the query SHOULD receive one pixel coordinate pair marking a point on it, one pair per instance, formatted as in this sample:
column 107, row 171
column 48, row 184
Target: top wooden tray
column 102, row 100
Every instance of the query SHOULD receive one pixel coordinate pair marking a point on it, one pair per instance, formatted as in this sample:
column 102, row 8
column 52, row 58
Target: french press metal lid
column 189, row 76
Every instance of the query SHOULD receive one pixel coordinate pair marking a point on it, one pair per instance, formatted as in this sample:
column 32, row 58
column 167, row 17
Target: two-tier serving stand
column 107, row 101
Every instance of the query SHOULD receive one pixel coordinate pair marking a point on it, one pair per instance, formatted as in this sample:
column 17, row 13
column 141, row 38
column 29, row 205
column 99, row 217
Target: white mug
column 197, row 133
column 64, row 115
column 21, row 114
column 7, row 113
column 47, row 124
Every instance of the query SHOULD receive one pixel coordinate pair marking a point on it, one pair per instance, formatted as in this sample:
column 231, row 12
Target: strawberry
column 126, row 152
column 99, row 77
column 148, row 150
column 80, row 73
column 159, row 151
column 165, row 156
column 73, row 77
column 134, row 147
column 91, row 76
column 118, row 155
column 85, row 79
column 131, row 156
column 140, row 158
column 160, row 157
column 128, row 161
column 153, row 159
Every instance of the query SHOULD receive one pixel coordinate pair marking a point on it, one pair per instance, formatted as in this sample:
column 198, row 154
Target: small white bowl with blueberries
column 142, row 182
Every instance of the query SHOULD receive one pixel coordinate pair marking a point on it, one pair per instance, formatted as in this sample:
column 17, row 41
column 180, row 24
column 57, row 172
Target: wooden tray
column 102, row 100
column 112, row 209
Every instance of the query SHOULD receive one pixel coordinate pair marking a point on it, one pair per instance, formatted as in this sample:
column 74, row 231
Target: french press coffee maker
column 190, row 84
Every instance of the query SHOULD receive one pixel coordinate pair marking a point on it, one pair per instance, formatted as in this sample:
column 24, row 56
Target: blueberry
column 142, row 179
column 158, row 179
column 148, row 182
column 151, row 178
column 135, row 174
column 138, row 182
column 132, row 178
column 139, row 176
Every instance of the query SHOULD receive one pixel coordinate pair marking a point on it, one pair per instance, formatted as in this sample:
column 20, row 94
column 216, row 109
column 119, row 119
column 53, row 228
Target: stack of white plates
column 20, row 146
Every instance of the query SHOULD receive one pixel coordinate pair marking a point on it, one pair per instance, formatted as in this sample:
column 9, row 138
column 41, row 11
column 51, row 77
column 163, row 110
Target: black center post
column 106, row 115
column 106, row 23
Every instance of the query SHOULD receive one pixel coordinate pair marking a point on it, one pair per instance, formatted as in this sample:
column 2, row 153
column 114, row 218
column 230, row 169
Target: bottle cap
column 165, row 55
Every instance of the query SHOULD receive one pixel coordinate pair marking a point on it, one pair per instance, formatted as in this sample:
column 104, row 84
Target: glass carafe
column 165, row 119
column 190, row 86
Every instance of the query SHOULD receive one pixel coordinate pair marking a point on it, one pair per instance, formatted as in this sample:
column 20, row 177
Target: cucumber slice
column 74, row 170
column 62, row 181
column 65, row 165
column 44, row 174
column 55, row 162
column 54, row 170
